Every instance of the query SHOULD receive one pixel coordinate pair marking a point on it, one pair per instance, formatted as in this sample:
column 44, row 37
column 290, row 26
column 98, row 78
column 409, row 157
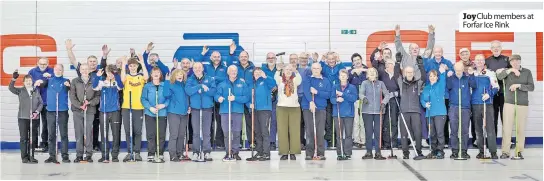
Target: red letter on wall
column 44, row 42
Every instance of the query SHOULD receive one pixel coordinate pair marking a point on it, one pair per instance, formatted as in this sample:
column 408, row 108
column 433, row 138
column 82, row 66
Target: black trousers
column 24, row 132
column 96, row 128
column 216, row 130
column 447, row 124
column 329, row 125
column 498, row 105
column 44, row 132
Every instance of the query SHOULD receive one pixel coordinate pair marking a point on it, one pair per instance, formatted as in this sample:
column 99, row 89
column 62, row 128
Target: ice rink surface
column 529, row 169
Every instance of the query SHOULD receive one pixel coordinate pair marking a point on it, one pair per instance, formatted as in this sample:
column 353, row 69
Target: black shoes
column 207, row 157
column 368, row 155
column 237, row 156
column 494, row 156
column 115, row 159
column 284, row 157
column 66, row 160
column 89, row 159
column 292, row 157
column 378, row 156
column 464, row 154
column 265, row 157
column 78, row 159
column 51, row 160
column 406, row 155
column 254, row 157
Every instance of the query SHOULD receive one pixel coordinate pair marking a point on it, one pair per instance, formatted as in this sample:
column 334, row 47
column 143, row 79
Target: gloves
column 399, row 57
column 382, row 108
column 365, row 100
column 15, row 74
column 419, row 60
column 395, row 94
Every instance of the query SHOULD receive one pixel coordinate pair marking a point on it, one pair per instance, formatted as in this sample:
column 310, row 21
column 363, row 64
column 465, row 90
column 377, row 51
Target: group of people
column 307, row 102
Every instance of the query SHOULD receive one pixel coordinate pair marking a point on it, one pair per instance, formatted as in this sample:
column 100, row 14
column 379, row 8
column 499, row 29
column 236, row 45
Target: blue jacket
column 149, row 98
column 56, row 85
column 219, row 73
column 204, row 98
column 241, row 94
column 247, row 73
column 164, row 68
column 331, row 73
column 431, row 64
column 109, row 100
column 435, row 95
column 267, row 71
column 178, row 99
column 263, row 98
column 464, row 84
column 323, row 87
column 37, row 74
column 483, row 86
column 346, row 108
column 304, row 74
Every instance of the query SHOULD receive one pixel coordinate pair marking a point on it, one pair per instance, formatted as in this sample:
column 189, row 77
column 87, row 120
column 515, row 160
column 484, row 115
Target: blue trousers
column 453, row 114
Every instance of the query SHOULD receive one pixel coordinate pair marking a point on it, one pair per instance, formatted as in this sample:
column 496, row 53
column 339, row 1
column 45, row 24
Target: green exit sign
column 348, row 32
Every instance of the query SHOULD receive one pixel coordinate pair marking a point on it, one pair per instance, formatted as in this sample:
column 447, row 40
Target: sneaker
column 480, row 155
column 348, row 157
column 292, row 157
column 66, row 160
column 89, row 159
column 368, row 155
column 127, row 158
column 138, row 157
column 505, row 156
column 494, row 156
column 196, row 156
column 32, row 160
column 265, row 157
column 405, row 155
column 283, row 157
column 115, row 159
column 149, row 158
column 226, row 158
column 340, row 158
column 237, row 157
column 51, row 160
column 378, row 156
column 78, row 159
column 207, row 157
column 464, row 154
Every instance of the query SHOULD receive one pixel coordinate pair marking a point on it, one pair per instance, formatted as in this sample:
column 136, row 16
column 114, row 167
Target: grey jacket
column 372, row 91
column 408, row 59
column 409, row 94
column 525, row 79
column 24, row 100
column 77, row 93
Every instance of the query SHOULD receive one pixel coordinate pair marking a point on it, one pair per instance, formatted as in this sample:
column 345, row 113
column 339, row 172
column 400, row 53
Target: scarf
column 289, row 85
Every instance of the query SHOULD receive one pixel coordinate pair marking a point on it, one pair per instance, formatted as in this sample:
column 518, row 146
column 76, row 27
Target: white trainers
column 424, row 143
